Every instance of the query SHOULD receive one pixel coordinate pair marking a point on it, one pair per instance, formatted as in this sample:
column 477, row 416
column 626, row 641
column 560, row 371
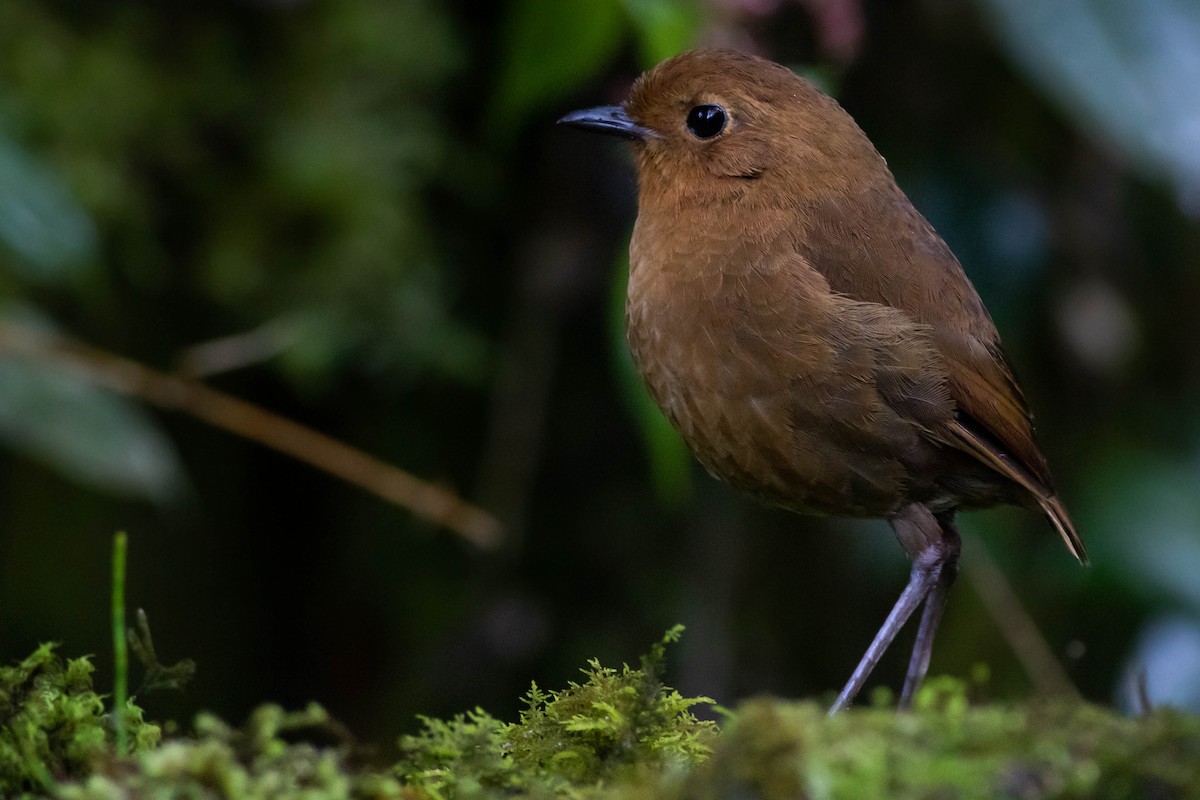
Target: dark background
column 372, row 199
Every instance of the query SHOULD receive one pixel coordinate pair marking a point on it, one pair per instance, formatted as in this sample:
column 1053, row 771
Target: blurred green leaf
column 664, row 27
column 550, row 48
column 1127, row 72
column 52, row 237
column 1142, row 511
column 670, row 460
column 88, row 434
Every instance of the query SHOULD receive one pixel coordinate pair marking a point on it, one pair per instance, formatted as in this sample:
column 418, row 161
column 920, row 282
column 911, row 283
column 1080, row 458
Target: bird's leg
column 935, row 603
column 922, row 537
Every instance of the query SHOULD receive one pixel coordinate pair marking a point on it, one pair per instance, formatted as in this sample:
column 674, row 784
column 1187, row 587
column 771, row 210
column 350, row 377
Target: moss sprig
column 54, row 726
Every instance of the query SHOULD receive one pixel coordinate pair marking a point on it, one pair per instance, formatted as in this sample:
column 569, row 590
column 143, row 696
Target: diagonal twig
column 1018, row 628
column 435, row 503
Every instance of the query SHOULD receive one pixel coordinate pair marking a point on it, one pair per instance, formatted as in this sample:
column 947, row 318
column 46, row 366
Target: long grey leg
column 935, row 604
column 925, row 540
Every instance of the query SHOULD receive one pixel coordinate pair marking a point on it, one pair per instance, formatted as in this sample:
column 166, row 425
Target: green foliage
column 120, row 643
column 584, row 742
column 948, row 748
column 58, row 417
column 616, row 725
column 619, row 735
column 50, row 239
column 297, row 148
column 664, row 28
column 551, row 48
column 53, row 724
column 461, row 757
column 260, row 760
column 616, row 720
column 272, row 165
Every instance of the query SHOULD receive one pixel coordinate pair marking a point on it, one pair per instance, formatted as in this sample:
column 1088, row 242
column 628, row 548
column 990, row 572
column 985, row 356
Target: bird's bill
column 611, row 120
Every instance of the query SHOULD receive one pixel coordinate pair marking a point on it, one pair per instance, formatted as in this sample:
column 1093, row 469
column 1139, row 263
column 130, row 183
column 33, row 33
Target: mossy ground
column 618, row 734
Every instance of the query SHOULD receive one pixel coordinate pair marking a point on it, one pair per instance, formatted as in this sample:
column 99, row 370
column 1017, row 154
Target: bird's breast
column 736, row 349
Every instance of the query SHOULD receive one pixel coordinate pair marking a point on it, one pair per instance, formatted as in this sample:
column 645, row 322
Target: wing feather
column 908, row 267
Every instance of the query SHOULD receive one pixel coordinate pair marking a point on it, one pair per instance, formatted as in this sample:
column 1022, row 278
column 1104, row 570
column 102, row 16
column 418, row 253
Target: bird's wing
column 890, row 255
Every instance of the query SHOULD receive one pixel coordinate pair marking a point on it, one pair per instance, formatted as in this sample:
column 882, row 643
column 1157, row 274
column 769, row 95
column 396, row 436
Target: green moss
column 949, row 749
column 462, row 757
column 53, row 726
column 598, row 739
column 618, row 719
column 617, row 725
column 620, row 734
column 276, row 754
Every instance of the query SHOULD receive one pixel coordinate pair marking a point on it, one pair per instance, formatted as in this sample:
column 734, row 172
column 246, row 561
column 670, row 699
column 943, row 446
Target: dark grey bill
column 611, row 120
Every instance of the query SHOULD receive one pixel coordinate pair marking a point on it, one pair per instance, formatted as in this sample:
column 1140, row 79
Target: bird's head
column 708, row 124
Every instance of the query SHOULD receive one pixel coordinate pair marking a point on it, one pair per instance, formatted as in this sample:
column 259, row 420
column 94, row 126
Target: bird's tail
column 1062, row 523
column 969, row 441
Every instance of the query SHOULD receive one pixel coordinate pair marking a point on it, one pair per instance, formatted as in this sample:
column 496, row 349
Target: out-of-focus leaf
column 670, row 461
column 1127, row 71
column 550, row 48
column 1142, row 517
column 89, row 434
column 52, row 237
column 664, row 27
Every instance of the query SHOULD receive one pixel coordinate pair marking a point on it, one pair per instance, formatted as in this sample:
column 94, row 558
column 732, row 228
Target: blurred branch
column 1018, row 628
column 237, row 351
column 435, row 503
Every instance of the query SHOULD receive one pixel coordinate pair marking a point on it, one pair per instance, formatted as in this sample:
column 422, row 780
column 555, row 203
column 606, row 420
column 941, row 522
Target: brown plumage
column 810, row 335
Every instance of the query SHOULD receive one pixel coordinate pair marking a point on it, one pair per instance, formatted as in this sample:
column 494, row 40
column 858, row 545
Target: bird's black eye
column 706, row 121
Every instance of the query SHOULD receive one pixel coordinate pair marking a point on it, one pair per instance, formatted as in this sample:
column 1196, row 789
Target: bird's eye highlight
column 706, row 121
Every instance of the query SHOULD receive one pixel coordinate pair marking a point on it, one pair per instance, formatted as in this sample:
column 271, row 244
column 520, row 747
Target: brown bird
column 813, row 339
